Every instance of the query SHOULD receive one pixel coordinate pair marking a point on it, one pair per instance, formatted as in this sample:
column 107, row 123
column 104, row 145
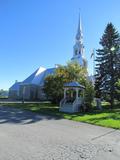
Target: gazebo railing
column 62, row 102
column 77, row 103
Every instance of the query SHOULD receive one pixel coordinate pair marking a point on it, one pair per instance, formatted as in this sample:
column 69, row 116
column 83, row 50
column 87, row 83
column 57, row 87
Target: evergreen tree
column 117, row 89
column 108, row 64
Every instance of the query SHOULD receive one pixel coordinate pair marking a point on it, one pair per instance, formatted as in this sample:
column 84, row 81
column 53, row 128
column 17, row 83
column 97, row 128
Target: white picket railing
column 62, row 102
column 77, row 104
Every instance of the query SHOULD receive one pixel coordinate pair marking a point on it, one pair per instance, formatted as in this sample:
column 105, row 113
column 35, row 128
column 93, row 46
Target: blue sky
column 37, row 33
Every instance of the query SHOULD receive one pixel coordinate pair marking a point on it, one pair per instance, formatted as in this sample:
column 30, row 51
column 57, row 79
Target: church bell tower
column 78, row 48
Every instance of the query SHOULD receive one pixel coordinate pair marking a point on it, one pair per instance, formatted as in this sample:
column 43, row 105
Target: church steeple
column 79, row 35
column 78, row 49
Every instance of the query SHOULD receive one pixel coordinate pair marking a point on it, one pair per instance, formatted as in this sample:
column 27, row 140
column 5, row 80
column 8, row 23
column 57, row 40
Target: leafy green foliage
column 53, row 88
column 71, row 72
column 89, row 94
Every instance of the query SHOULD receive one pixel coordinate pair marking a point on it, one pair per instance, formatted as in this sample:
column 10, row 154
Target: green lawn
column 106, row 117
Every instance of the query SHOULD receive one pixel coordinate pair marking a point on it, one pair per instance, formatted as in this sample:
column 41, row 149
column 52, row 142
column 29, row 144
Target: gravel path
column 28, row 136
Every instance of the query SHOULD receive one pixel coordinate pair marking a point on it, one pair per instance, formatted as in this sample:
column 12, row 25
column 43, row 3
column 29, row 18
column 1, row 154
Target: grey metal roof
column 47, row 72
column 36, row 78
column 15, row 86
column 73, row 84
column 39, row 76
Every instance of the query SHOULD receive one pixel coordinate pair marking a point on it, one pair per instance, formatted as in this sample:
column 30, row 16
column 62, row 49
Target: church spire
column 79, row 35
column 78, row 49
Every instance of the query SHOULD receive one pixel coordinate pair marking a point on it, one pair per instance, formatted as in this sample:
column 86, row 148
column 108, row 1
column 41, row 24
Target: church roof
column 15, row 86
column 36, row 78
column 47, row 72
column 39, row 76
column 33, row 75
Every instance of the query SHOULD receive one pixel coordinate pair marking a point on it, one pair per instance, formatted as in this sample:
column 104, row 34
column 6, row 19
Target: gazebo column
column 77, row 90
column 83, row 94
column 65, row 89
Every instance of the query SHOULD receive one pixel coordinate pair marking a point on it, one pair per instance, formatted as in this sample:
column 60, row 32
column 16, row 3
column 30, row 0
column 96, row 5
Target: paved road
column 28, row 136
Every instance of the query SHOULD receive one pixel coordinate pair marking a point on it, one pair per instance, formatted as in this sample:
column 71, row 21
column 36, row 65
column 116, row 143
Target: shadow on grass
column 20, row 116
column 14, row 113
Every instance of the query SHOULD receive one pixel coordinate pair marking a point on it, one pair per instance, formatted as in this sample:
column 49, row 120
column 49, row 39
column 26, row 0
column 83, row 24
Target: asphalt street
column 28, row 136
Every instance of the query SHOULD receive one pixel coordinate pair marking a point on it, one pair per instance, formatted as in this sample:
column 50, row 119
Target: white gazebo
column 72, row 102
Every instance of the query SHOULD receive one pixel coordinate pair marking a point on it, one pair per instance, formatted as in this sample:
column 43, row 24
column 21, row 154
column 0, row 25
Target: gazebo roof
column 74, row 84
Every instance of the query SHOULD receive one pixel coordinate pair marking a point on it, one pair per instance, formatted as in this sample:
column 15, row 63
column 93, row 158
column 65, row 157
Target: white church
column 32, row 87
